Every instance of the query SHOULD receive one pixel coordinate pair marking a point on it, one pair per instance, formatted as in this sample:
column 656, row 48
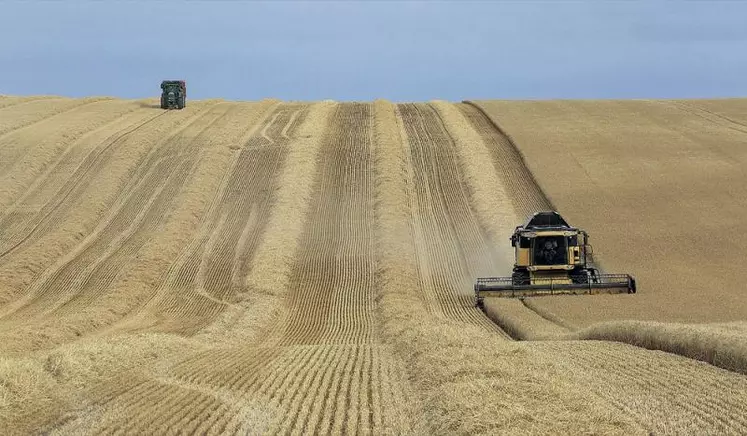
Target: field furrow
column 331, row 288
column 328, row 327
column 308, row 267
column 119, row 236
column 210, row 273
column 452, row 248
column 54, row 186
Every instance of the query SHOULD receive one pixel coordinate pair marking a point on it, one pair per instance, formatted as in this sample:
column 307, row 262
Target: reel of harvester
column 552, row 258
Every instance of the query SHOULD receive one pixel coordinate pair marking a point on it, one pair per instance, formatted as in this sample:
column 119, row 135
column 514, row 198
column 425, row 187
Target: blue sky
column 362, row 50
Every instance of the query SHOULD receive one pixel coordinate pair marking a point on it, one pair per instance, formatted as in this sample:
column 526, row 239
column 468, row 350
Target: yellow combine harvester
column 552, row 258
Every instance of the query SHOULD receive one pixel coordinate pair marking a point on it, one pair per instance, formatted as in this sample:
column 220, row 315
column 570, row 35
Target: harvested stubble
column 463, row 370
column 327, row 283
column 25, row 114
column 271, row 263
column 179, row 299
column 274, row 260
column 50, row 386
column 487, row 179
column 318, row 366
column 69, row 204
column 133, row 245
column 490, row 199
column 242, row 326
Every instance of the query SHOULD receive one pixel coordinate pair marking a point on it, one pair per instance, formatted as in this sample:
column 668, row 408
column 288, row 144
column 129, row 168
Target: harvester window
column 550, row 250
column 573, row 241
column 525, row 242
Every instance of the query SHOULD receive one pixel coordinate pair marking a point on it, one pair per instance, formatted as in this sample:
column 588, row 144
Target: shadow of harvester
column 149, row 105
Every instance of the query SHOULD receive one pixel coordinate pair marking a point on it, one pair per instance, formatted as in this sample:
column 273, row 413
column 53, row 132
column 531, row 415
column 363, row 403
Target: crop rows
column 293, row 268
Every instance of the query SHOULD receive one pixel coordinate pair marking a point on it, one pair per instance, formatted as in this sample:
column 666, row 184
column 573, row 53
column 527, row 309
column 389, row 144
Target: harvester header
column 552, row 258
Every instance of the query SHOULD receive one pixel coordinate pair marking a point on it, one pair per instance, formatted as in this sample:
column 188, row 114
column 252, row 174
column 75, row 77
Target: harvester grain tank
column 173, row 94
column 552, row 258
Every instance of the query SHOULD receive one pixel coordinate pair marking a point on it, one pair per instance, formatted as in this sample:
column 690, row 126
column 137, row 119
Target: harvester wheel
column 520, row 278
column 581, row 277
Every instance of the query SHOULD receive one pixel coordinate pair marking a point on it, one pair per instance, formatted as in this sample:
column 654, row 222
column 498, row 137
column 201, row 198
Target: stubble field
column 296, row 267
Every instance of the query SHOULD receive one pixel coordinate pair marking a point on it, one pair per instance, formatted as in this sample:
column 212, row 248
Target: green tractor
column 173, row 94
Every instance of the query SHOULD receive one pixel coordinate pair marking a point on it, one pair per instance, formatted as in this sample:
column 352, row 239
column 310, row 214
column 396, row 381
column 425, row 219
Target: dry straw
column 270, row 271
column 720, row 344
column 489, row 198
column 88, row 201
column 520, row 322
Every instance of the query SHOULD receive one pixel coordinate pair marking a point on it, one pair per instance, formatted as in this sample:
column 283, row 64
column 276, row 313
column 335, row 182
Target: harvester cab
column 552, row 258
column 173, row 94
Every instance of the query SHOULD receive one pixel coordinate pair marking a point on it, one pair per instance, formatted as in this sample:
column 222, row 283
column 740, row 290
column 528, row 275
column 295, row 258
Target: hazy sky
column 362, row 50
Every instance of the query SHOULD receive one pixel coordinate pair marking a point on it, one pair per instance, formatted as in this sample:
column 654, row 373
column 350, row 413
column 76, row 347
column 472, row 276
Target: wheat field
column 281, row 267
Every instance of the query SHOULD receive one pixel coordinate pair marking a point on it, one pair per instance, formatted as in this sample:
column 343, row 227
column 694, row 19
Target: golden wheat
column 655, row 183
column 720, row 344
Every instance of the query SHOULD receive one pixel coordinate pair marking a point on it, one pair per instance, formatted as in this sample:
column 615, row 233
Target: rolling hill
column 307, row 267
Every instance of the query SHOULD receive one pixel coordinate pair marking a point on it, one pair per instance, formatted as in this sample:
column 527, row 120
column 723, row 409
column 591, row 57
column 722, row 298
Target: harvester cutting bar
column 599, row 284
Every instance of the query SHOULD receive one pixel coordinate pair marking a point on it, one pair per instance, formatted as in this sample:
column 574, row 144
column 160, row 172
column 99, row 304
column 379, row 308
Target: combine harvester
column 552, row 258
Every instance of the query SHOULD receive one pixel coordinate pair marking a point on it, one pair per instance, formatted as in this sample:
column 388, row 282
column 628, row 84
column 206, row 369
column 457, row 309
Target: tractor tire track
column 320, row 370
column 330, row 298
column 49, row 191
column 34, row 112
column 210, row 273
column 451, row 246
column 309, row 372
column 328, row 337
column 59, row 128
column 138, row 212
